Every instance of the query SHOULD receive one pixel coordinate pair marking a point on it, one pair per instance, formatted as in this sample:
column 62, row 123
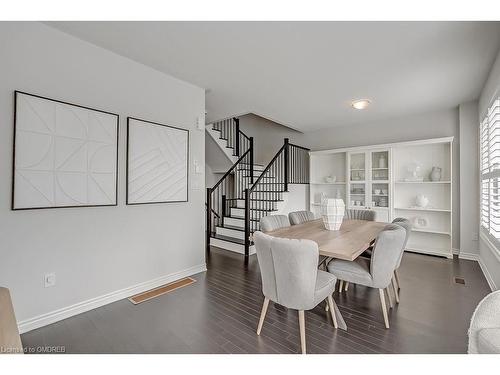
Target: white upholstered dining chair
column 290, row 277
column 273, row 222
column 376, row 272
column 299, row 217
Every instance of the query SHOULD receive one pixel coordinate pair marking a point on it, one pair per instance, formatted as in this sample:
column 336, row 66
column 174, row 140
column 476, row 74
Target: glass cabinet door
column 379, row 179
column 357, row 180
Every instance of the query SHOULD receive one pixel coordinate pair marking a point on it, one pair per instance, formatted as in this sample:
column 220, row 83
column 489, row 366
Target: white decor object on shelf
column 414, row 172
column 330, row 179
column 435, row 174
column 420, row 222
column 421, row 201
column 332, row 213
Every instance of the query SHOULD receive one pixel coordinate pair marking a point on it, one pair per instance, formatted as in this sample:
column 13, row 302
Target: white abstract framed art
column 65, row 155
column 157, row 162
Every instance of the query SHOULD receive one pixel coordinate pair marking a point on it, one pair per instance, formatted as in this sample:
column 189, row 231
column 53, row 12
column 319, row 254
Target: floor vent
column 459, row 280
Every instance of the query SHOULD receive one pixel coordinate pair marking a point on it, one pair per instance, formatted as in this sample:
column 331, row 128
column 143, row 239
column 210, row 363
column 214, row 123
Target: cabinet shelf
column 430, row 209
column 423, row 182
column 431, row 231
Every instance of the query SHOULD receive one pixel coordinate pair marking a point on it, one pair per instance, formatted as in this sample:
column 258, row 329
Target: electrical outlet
column 475, row 236
column 49, row 280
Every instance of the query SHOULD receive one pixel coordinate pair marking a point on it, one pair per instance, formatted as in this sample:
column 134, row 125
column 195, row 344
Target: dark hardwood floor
column 219, row 314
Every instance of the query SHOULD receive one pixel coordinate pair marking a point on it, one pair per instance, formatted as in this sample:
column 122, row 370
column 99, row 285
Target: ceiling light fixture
column 360, row 104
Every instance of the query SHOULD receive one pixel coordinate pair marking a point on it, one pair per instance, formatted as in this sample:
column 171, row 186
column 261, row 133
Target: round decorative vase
column 332, row 213
column 421, row 201
column 435, row 174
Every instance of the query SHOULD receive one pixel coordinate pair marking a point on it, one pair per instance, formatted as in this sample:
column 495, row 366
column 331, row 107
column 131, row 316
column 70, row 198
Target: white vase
column 421, row 201
column 332, row 213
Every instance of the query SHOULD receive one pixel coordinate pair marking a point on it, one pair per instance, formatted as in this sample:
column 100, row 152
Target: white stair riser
column 240, row 213
column 231, row 246
column 240, row 223
column 257, row 204
column 230, row 233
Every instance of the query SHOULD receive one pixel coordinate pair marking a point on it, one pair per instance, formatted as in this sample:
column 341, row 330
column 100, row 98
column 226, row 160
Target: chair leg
column 346, row 286
column 332, row 312
column 302, row 326
column 391, row 305
column 384, row 307
column 396, row 275
column 263, row 315
column 341, row 284
column 394, row 287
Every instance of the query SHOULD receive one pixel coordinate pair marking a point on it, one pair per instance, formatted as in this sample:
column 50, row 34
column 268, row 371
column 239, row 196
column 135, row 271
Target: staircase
column 248, row 191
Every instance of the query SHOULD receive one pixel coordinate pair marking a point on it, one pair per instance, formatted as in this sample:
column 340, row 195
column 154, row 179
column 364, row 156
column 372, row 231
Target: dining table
column 347, row 243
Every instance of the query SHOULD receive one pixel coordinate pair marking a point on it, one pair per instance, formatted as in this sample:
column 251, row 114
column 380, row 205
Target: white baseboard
column 81, row 307
column 468, row 256
column 487, row 274
column 455, row 251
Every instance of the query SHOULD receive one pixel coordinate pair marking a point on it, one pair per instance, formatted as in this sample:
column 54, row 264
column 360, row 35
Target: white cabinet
column 387, row 179
column 369, row 176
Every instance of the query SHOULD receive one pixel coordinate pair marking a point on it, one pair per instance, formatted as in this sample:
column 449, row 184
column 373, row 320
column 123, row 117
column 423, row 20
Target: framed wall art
column 65, row 155
column 157, row 162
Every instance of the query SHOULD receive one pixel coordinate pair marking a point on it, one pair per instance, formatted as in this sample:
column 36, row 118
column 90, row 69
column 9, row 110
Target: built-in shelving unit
column 380, row 178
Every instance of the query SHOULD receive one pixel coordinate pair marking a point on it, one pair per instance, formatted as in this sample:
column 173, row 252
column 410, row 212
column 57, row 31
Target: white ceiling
column 304, row 74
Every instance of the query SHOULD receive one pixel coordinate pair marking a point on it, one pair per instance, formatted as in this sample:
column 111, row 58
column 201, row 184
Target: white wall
column 435, row 124
column 469, row 175
column 489, row 257
column 268, row 136
column 93, row 251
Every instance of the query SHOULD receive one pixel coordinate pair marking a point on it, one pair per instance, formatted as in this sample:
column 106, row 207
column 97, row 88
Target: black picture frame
column 13, row 208
column 153, row 123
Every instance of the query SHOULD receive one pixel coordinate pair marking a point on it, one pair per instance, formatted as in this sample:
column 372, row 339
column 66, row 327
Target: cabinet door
column 379, row 183
column 357, row 166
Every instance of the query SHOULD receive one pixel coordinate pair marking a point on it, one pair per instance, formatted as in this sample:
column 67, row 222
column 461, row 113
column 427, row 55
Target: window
column 490, row 172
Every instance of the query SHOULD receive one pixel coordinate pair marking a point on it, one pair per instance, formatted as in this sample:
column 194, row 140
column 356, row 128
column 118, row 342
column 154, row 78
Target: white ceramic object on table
column 332, row 213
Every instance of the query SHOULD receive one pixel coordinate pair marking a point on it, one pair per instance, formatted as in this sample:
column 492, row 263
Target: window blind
column 489, row 138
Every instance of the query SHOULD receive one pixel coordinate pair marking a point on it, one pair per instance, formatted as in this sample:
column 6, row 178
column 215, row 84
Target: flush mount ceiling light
column 360, row 104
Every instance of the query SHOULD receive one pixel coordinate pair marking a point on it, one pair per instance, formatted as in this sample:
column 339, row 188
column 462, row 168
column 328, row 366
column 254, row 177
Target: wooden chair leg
column 302, row 326
column 341, row 284
column 391, row 305
column 395, row 288
column 384, row 307
column 396, row 275
column 346, row 286
column 263, row 315
column 332, row 312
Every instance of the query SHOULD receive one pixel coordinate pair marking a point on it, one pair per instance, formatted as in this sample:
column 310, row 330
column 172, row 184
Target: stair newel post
column 251, row 161
column 247, row 224
column 237, row 140
column 285, row 168
column 209, row 220
column 223, row 209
